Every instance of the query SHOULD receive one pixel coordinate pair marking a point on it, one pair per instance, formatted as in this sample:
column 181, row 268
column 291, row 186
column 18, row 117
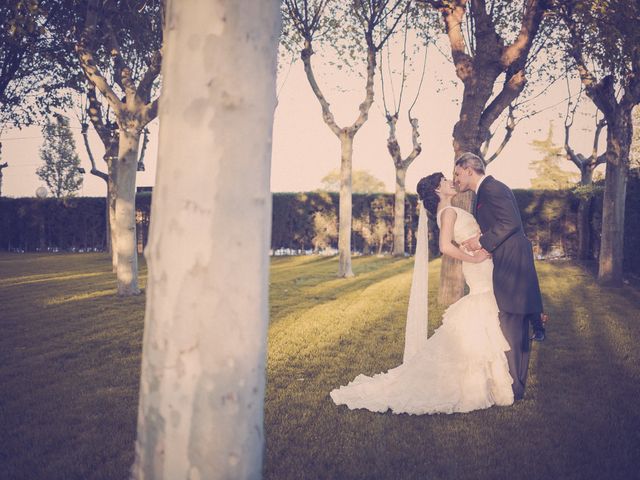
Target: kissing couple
column 479, row 356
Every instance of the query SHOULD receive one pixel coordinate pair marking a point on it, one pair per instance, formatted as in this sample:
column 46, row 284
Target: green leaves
column 60, row 170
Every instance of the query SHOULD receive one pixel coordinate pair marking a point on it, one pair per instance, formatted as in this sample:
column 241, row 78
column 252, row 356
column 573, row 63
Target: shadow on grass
column 70, row 372
column 298, row 288
column 565, row 428
column 583, row 385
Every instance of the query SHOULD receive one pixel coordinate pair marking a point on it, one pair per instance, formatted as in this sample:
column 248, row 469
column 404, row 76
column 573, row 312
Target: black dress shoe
column 539, row 335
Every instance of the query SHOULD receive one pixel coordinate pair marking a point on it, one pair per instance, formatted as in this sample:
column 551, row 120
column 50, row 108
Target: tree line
column 307, row 222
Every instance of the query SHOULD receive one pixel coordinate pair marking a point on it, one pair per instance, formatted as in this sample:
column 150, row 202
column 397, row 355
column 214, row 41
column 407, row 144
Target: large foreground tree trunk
column 204, row 349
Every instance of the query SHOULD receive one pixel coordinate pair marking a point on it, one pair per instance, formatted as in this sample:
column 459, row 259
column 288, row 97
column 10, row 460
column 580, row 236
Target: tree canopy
column 549, row 173
column 362, row 182
column 61, row 162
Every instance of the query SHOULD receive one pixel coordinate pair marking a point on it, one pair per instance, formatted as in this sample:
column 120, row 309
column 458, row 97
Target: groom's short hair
column 472, row 161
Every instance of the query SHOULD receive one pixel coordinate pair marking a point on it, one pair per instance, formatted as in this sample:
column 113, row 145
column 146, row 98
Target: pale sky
column 305, row 150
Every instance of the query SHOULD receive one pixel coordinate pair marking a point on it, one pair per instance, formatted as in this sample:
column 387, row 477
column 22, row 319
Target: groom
column 515, row 282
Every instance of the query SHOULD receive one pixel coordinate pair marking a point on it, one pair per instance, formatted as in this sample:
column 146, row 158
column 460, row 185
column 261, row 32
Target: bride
column 462, row 366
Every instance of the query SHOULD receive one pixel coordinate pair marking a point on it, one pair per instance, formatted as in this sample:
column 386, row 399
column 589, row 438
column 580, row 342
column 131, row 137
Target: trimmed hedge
column 549, row 217
column 293, row 220
column 33, row 224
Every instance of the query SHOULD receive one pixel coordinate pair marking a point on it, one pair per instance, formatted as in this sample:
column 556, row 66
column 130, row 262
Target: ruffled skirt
column 461, row 368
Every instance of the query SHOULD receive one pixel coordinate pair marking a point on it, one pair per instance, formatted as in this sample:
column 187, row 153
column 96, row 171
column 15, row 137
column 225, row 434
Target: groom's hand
column 472, row 244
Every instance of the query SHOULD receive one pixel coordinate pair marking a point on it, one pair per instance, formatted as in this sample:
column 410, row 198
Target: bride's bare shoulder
column 452, row 211
column 446, row 215
column 464, row 212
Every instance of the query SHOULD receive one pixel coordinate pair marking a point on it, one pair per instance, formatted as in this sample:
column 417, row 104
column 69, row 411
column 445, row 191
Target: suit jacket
column 515, row 281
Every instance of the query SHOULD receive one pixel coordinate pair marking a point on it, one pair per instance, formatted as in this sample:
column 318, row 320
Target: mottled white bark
column 401, row 166
column 2, row 167
column 376, row 20
column 125, row 213
column 346, row 206
column 94, row 113
column 204, row 348
column 133, row 112
column 111, row 207
column 398, row 212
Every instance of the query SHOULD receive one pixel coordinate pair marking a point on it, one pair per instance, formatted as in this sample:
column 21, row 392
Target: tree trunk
column 111, row 207
column 584, row 229
column 344, row 230
column 451, row 281
column 125, row 213
column 584, row 216
column 204, row 349
column 467, row 134
column 451, row 277
column 479, row 65
column 619, row 134
column 2, row 167
column 398, row 212
column 467, row 137
column 112, row 224
column 107, row 224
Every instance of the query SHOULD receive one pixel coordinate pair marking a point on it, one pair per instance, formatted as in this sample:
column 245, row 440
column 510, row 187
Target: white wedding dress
column 462, row 366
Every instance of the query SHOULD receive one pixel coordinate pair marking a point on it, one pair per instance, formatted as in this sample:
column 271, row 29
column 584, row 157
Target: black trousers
column 515, row 328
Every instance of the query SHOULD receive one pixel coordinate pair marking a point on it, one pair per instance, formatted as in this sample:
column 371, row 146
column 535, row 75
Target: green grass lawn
column 70, row 356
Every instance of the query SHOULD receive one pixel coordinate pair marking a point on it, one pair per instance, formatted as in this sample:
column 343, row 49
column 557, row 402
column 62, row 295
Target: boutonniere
column 478, row 206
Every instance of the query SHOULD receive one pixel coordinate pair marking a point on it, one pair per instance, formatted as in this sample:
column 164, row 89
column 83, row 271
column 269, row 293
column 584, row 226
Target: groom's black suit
column 515, row 282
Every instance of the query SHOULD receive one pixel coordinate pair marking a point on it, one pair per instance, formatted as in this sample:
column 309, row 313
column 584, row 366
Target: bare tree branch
column 327, row 115
column 93, row 74
column 87, row 58
column 424, row 69
column 143, row 150
column 94, row 169
column 145, row 85
column 513, row 86
column 518, row 50
column 150, row 111
column 510, row 126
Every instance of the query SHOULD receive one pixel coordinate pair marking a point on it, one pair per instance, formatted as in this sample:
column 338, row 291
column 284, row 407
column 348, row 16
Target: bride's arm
column 448, row 220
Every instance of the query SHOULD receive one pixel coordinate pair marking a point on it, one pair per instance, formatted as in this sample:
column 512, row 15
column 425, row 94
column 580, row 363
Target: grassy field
column 70, row 356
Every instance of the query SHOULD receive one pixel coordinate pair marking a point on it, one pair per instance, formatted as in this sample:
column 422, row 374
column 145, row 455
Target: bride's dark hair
column 427, row 191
